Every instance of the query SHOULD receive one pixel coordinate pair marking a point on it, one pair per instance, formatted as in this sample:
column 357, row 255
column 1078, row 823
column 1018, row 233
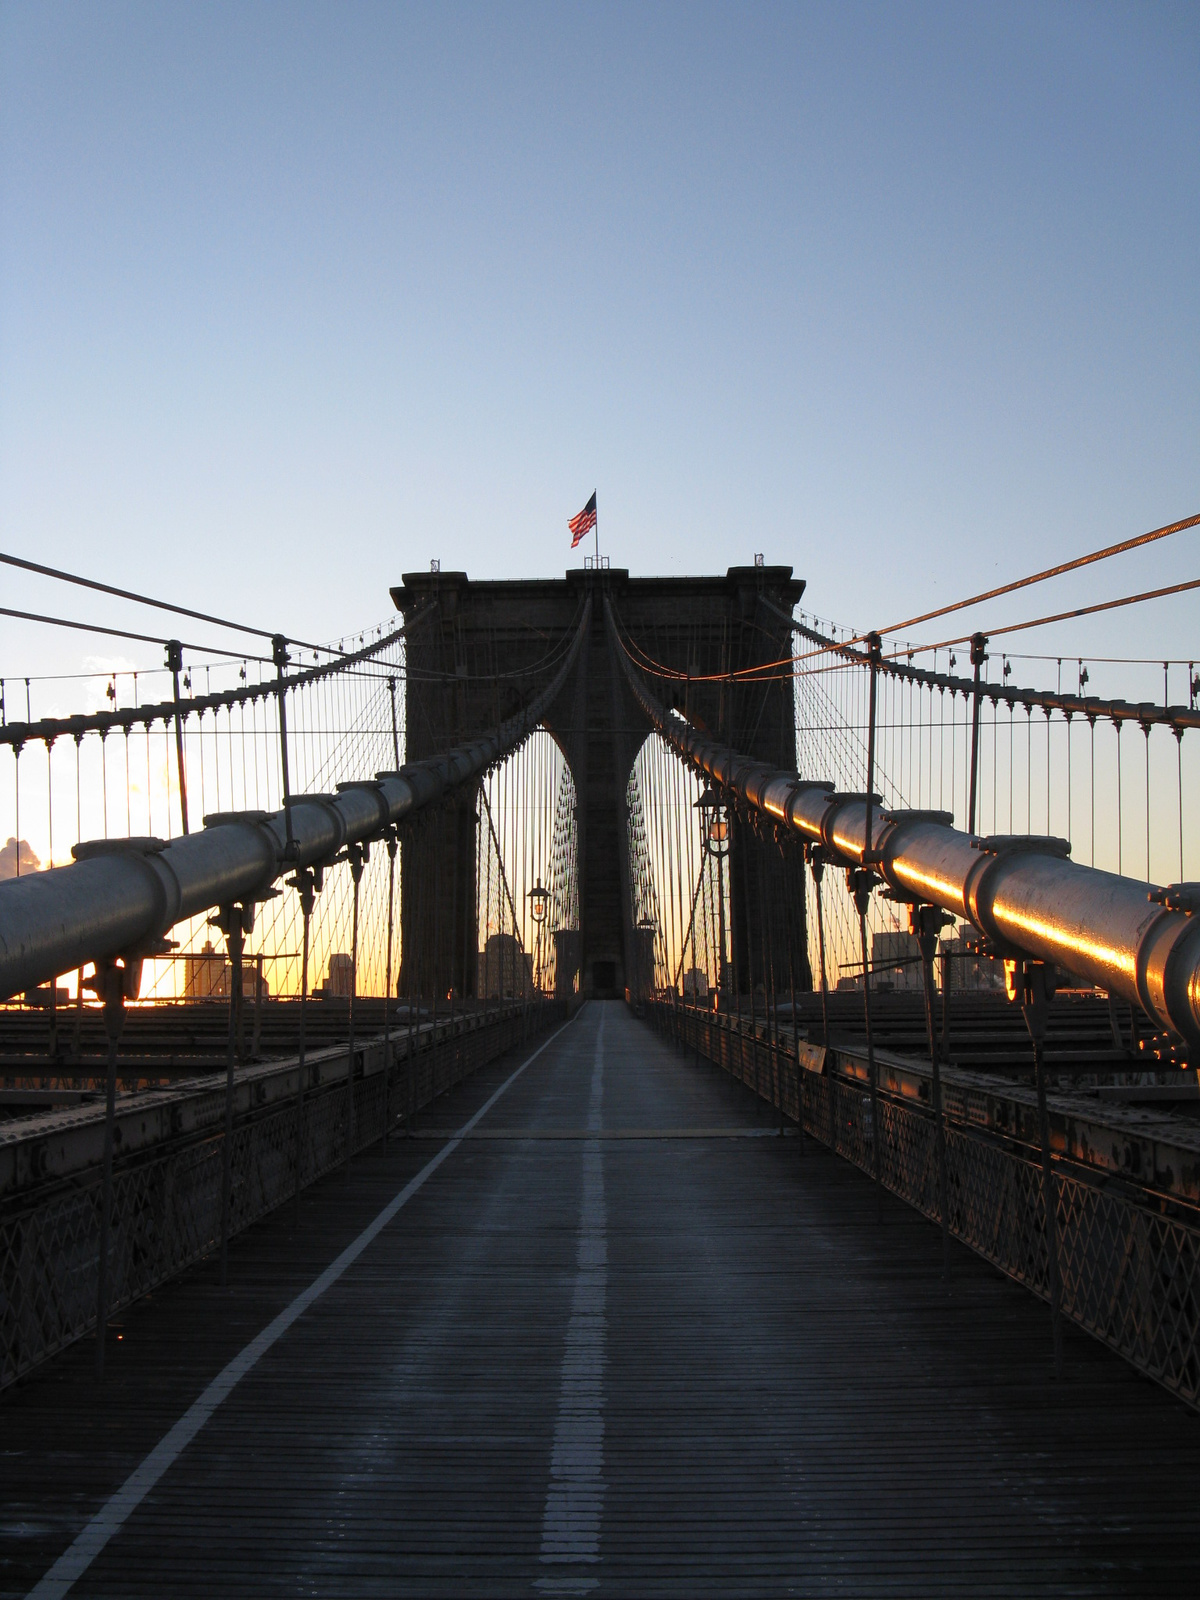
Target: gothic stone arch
column 487, row 647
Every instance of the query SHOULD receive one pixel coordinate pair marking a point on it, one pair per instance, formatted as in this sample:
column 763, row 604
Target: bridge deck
column 583, row 1360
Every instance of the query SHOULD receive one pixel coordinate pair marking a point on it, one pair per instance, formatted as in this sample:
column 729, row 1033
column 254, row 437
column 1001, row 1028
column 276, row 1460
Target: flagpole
column 596, row 530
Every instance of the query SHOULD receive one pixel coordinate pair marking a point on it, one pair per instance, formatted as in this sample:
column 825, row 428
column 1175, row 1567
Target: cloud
column 8, row 859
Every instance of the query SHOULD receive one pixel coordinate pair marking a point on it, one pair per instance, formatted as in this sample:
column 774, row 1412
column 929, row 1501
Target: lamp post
column 714, row 836
column 539, row 904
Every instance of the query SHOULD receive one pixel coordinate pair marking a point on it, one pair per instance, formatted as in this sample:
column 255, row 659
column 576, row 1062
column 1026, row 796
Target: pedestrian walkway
column 624, row 1339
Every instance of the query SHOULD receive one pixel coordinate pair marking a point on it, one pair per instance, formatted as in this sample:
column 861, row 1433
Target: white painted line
column 575, row 1498
column 75, row 1560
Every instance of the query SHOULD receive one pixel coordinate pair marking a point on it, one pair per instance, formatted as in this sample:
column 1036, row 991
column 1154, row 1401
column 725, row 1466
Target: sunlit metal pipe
column 122, row 896
column 1023, row 894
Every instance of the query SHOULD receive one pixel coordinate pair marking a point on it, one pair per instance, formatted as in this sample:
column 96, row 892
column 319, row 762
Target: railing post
column 231, row 920
column 109, row 984
column 279, row 653
column 788, row 858
column 926, row 923
column 356, row 855
column 175, row 663
column 874, row 655
column 978, row 657
column 1032, row 984
column 392, row 846
column 306, row 884
column 395, row 728
column 816, row 863
column 256, row 1036
column 861, row 882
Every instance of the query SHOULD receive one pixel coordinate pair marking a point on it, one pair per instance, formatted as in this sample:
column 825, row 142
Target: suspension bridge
column 606, row 1084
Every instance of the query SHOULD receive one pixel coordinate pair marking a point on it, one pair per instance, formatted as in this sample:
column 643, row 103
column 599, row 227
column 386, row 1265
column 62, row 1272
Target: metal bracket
column 221, row 819
column 1183, row 897
column 1168, row 1048
column 1031, row 985
column 1038, row 844
column 860, row 883
column 146, row 845
column 944, row 819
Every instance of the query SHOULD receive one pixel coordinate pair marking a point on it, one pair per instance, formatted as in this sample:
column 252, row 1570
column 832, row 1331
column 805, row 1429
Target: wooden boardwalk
column 581, row 1359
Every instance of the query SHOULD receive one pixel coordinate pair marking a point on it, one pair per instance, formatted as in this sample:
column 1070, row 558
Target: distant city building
column 896, row 965
column 895, row 962
column 208, row 976
column 205, row 974
column 969, row 970
column 340, row 981
column 695, row 984
column 505, row 970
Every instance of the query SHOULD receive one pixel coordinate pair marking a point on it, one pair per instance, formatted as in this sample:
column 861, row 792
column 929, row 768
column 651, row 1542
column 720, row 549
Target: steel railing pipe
column 1023, row 894
column 122, row 896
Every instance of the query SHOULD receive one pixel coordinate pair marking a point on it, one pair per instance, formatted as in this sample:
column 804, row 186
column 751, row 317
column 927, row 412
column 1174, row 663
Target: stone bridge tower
column 487, row 647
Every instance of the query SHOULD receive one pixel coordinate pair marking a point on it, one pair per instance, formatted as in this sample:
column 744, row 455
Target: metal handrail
column 122, row 896
column 1023, row 893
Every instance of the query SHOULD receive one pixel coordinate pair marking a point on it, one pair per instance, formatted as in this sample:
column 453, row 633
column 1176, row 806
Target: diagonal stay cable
column 143, row 599
column 1176, row 716
column 124, row 633
column 1049, row 572
column 518, row 928
column 691, row 923
column 1068, row 616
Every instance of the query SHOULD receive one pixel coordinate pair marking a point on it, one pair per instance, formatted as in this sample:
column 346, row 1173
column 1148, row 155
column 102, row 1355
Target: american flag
column 583, row 524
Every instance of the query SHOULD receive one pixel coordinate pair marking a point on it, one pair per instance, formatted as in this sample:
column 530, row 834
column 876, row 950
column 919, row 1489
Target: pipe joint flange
column 995, row 851
column 837, row 804
column 145, row 853
column 1168, row 971
column 369, row 786
column 891, row 839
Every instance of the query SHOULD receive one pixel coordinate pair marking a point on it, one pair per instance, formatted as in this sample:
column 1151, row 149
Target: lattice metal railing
column 167, row 1209
column 1130, row 1275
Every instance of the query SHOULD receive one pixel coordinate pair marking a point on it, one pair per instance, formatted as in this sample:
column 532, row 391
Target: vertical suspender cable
column 863, row 882
column 978, row 647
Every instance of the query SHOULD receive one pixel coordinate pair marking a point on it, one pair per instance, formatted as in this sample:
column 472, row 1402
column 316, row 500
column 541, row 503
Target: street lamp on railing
column 539, row 904
column 539, row 901
column 714, row 823
column 715, row 837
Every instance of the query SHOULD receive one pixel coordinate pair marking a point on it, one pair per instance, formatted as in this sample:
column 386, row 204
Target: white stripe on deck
column 575, row 1498
column 112, row 1516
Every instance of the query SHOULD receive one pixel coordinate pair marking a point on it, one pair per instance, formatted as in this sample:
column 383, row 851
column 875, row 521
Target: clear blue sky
column 295, row 297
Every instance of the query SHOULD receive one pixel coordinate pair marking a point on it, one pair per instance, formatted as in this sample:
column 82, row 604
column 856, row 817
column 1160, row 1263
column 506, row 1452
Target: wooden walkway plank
column 792, row 1400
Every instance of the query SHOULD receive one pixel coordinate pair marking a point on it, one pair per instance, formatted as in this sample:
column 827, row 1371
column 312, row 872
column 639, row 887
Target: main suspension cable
column 123, row 633
column 144, row 600
column 1040, row 577
column 1063, row 616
